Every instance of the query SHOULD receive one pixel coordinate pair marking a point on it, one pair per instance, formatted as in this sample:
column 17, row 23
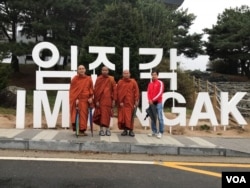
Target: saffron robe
column 81, row 88
column 128, row 94
column 104, row 93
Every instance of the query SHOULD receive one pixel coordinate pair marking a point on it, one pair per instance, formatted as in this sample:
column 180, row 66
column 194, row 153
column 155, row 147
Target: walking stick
column 91, row 120
column 133, row 115
column 77, row 123
column 111, row 118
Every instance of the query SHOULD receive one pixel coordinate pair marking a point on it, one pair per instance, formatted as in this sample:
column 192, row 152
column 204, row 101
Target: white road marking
column 140, row 138
column 77, row 160
column 171, row 141
column 112, row 138
column 10, row 133
column 201, row 142
column 152, row 140
column 105, row 138
column 45, row 135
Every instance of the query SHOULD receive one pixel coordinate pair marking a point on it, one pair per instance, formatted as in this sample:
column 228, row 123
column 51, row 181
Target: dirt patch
column 7, row 121
column 204, row 128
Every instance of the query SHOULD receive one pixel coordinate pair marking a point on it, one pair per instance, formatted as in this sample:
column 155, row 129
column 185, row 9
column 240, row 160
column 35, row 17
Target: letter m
column 41, row 99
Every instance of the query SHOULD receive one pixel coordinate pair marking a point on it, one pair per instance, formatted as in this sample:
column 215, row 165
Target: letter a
column 242, row 179
column 203, row 99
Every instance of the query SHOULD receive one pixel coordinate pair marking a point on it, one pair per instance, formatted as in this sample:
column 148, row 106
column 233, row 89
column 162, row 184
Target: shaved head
column 105, row 71
column 81, row 70
column 126, row 74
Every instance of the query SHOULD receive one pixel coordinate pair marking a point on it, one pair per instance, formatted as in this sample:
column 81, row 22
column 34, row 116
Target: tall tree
column 61, row 22
column 143, row 23
column 187, row 44
column 116, row 26
column 164, row 26
column 12, row 15
column 229, row 40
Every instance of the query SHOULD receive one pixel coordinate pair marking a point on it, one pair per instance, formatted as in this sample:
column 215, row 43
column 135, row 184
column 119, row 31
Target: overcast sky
column 206, row 12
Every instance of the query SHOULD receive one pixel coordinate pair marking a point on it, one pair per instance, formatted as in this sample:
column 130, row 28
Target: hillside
column 26, row 78
column 217, row 77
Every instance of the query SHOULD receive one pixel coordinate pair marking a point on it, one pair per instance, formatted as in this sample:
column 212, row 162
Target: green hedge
column 5, row 72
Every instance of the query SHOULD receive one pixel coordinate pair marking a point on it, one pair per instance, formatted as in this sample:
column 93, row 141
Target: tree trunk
column 232, row 67
column 15, row 63
column 245, row 69
column 248, row 70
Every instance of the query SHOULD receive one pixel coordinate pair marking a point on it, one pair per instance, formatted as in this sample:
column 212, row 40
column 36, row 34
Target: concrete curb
column 117, row 147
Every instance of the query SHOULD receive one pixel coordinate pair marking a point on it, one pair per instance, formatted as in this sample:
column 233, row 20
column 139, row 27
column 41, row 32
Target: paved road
column 35, row 172
column 73, row 174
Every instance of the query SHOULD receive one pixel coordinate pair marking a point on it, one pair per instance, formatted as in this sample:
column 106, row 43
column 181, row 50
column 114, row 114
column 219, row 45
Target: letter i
column 73, row 57
column 20, row 109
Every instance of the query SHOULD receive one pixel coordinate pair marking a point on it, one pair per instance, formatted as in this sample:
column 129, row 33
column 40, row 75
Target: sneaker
column 151, row 134
column 108, row 133
column 159, row 135
column 101, row 133
column 131, row 133
column 124, row 133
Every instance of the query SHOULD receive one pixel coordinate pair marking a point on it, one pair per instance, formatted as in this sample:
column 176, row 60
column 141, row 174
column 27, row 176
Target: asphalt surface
column 65, row 140
column 29, row 173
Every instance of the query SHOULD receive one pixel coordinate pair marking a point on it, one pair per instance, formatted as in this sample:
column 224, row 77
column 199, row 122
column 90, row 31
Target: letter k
column 230, row 107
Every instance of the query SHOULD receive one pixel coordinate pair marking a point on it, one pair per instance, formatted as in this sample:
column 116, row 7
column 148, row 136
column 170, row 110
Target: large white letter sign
column 173, row 79
column 125, row 58
column 181, row 119
column 40, row 75
column 20, row 109
column 41, row 98
column 162, row 75
column 158, row 52
column 203, row 99
column 173, row 59
column 102, row 57
column 230, row 107
column 73, row 57
column 36, row 54
column 141, row 114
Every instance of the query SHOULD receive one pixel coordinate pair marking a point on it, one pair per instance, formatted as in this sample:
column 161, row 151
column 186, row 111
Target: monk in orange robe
column 104, row 100
column 127, row 100
column 81, row 97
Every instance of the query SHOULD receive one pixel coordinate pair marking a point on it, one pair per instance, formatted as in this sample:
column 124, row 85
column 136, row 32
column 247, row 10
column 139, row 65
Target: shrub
column 185, row 86
column 5, row 72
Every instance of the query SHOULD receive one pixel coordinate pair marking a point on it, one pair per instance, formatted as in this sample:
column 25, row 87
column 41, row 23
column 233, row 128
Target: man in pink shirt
column 154, row 92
